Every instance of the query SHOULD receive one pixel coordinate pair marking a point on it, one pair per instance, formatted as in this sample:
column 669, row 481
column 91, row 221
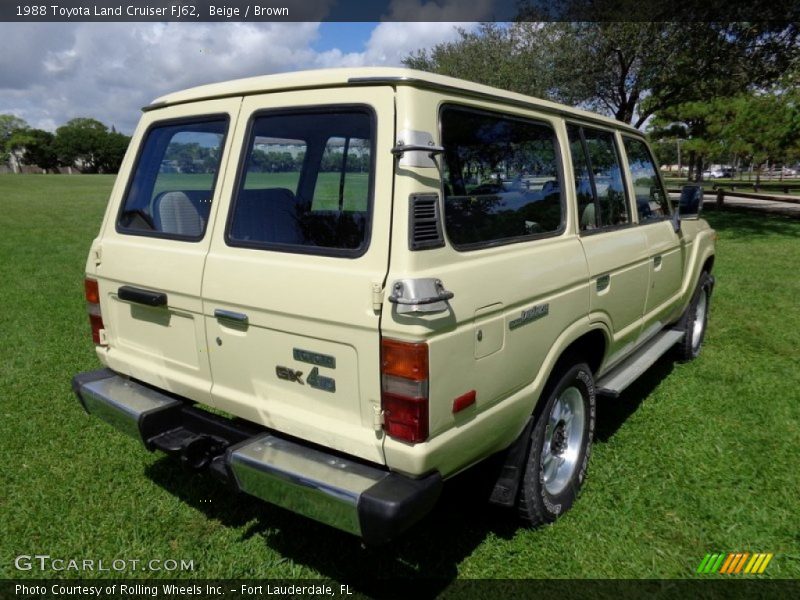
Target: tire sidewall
column 704, row 288
column 686, row 348
column 551, row 506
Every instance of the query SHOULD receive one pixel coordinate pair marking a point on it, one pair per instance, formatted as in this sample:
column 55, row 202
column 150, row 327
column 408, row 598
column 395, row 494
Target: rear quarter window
column 172, row 186
column 501, row 179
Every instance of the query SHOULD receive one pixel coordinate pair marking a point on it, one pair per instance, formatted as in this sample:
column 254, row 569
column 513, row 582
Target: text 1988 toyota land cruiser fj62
column 382, row 277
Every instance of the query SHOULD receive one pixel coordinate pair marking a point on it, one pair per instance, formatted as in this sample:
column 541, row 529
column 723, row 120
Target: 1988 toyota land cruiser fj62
column 381, row 277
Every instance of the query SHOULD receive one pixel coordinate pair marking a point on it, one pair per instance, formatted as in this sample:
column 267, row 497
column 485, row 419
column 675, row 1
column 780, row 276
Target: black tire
column 549, row 488
column 694, row 322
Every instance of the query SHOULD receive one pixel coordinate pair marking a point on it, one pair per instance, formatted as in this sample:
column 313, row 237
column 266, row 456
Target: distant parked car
column 714, row 174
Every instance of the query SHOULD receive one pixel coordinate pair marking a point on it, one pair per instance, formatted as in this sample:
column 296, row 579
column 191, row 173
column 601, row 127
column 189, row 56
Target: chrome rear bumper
column 349, row 494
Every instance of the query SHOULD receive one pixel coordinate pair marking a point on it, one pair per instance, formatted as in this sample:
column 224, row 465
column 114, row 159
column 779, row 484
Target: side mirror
column 691, row 202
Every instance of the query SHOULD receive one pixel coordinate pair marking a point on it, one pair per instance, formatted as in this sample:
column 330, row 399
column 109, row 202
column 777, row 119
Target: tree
column 37, row 147
column 630, row 70
column 9, row 124
column 89, row 144
column 507, row 57
column 755, row 127
column 80, row 142
column 111, row 151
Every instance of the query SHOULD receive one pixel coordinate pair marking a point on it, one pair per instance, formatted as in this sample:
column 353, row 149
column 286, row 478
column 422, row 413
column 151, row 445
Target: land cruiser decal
column 529, row 315
column 314, row 358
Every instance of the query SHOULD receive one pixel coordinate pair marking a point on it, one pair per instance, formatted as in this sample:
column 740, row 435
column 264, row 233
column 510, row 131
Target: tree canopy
column 630, row 70
column 9, row 125
column 85, row 143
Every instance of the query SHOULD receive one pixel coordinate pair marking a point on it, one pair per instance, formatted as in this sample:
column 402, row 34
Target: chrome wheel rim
column 563, row 439
column 699, row 320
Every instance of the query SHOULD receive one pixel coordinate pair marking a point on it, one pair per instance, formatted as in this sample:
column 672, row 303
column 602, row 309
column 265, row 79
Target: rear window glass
column 173, row 183
column 306, row 183
column 501, row 178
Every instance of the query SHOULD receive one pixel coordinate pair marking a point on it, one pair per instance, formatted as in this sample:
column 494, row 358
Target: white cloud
column 50, row 73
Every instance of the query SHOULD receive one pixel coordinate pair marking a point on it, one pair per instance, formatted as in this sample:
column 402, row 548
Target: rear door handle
column 657, row 261
column 140, row 296
column 229, row 315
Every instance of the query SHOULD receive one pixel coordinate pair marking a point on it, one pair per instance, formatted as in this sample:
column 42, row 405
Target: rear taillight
column 404, row 390
column 93, row 308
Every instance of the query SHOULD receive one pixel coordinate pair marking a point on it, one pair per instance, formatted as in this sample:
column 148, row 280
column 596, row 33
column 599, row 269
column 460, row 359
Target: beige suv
column 337, row 289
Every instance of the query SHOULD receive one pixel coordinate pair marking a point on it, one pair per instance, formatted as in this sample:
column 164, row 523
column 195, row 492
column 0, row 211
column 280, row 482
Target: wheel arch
column 708, row 264
column 585, row 342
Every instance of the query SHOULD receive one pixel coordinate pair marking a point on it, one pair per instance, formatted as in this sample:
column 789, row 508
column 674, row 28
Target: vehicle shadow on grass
column 613, row 412
column 424, row 560
column 735, row 223
column 421, row 563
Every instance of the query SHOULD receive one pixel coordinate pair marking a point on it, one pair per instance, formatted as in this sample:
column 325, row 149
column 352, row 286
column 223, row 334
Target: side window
column 651, row 200
column 601, row 194
column 173, row 181
column 501, row 178
column 306, row 185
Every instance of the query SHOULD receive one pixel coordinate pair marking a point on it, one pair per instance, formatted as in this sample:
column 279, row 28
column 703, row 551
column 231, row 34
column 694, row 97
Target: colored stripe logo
column 735, row 563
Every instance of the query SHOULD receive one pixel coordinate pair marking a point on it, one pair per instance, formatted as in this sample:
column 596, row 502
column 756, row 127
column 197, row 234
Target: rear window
column 173, row 182
column 501, row 179
column 306, row 183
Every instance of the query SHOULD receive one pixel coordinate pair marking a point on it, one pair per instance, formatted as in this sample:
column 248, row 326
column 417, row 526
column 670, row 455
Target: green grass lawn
column 695, row 458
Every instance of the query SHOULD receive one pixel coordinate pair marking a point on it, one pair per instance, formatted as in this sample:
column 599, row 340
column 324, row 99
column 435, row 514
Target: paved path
column 772, row 205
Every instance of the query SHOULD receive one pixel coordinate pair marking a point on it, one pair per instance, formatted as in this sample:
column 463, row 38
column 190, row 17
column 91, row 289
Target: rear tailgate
column 149, row 260
column 293, row 334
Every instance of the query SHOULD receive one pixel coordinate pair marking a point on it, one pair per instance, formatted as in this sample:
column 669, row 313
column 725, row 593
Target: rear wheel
column 560, row 446
column 694, row 322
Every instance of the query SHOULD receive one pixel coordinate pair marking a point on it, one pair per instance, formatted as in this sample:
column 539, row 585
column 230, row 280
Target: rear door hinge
column 97, row 255
column 377, row 417
column 377, row 296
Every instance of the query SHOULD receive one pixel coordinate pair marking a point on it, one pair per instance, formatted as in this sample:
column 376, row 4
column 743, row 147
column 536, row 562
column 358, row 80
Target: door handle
column 657, row 261
column 140, row 296
column 602, row 282
column 229, row 315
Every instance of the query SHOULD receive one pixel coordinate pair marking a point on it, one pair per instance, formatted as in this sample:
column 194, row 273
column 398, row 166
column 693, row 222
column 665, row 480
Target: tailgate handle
column 140, row 296
column 229, row 315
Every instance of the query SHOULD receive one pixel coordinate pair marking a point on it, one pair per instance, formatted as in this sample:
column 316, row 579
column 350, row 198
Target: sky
column 53, row 72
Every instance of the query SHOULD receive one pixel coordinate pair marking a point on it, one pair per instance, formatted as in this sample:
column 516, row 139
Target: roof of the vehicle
column 322, row 78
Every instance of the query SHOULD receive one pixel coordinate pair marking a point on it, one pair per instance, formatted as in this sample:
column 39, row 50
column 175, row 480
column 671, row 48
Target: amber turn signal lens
column 92, row 291
column 404, row 359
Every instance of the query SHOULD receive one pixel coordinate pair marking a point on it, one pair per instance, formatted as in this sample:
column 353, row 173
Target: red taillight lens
column 93, row 308
column 405, row 418
column 404, row 387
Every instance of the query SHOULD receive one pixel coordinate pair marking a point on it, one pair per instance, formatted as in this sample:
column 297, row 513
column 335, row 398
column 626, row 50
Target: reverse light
column 92, row 292
column 404, row 390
